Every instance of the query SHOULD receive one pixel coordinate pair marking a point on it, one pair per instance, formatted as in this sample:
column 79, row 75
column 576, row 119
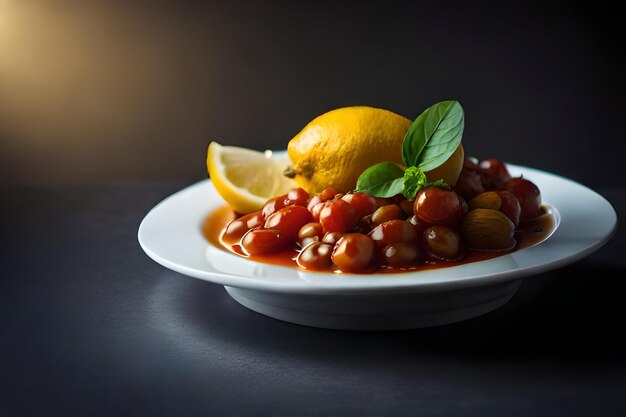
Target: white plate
column 171, row 234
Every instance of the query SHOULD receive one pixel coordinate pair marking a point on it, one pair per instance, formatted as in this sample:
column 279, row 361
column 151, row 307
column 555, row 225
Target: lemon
column 336, row 147
column 246, row 178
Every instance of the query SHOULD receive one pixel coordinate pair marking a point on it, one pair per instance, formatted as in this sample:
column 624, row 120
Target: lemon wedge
column 246, row 178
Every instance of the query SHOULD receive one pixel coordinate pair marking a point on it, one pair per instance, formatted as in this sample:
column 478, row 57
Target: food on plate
column 424, row 205
column 246, row 178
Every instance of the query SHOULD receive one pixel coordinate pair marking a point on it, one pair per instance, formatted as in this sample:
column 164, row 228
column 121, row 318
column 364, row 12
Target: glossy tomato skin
column 273, row 205
column 510, row 206
column 264, row 241
column 310, row 232
column 528, row 195
column 363, row 203
column 317, row 209
column 419, row 224
column 386, row 213
column 311, row 229
column 365, row 224
column 442, row 242
column 438, row 206
column 470, row 182
column 401, row 255
column 338, row 216
column 325, row 195
column 235, row 230
column 316, row 256
column 289, row 221
column 393, row 231
column 332, row 238
column 354, row 252
column 297, row 196
column 496, row 170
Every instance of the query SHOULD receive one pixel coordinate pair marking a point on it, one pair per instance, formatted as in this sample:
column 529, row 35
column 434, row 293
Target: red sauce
column 529, row 233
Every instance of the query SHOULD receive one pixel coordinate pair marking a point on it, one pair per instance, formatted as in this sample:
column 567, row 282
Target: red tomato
column 327, row 194
column 317, row 209
column 438, row 206
column 510, row 206
column 401, row 255
column 289, row 220
column 528, row 195
column 316, row 255
column 338, row 216
column 237, row 228
column 443, row 243
column 263, row 241
column 363, row 203
column 354, row 252
column 496, row 170
column 393, row 231
column 297, row 196
column 273, row 205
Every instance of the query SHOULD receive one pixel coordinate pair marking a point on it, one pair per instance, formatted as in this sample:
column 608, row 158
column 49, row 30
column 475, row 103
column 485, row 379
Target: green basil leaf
column 415, row 179
column 434, row 135
column 381, row 180
column 412, row 182
column 438, row 183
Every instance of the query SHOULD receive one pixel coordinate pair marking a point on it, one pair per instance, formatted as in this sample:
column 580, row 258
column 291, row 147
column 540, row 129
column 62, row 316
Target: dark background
column 135, row 90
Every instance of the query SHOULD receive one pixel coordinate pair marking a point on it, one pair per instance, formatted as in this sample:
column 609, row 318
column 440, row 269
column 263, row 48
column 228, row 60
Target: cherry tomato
column 332, row 238
column 470, row 183
column 237, row 228
column 401, row 255
column 386, row 213
column 338, row 216
column 317, row 209
column 354, row 253
column 316, row 255
column 264, row 241
column 310, row 232
column 273, row 205
column 393, row 231
column 298, row 197
column 438, row 206
column 363, row 203
column 510, row 206
column 365, row 224
column 311, row 229
column 495, row 169
column 327, row 194
column 419, row 224
column 407, row 207
column 443, row 243
column 528, row 195
column 289, row 220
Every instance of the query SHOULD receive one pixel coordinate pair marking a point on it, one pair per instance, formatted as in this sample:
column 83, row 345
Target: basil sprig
column 430, row 140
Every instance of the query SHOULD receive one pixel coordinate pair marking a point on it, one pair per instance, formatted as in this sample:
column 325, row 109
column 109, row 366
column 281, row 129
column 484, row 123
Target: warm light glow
column 79, row 80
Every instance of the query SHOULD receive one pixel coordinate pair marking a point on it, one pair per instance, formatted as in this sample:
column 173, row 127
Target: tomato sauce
column 527, row 234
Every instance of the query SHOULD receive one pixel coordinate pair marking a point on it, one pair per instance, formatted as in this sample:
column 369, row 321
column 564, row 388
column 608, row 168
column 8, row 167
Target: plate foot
column 376, row 311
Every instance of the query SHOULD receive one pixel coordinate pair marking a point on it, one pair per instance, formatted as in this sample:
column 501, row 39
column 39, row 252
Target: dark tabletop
column 90, row 326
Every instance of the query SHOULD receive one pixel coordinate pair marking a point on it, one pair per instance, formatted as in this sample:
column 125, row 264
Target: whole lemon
column 336, row 147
